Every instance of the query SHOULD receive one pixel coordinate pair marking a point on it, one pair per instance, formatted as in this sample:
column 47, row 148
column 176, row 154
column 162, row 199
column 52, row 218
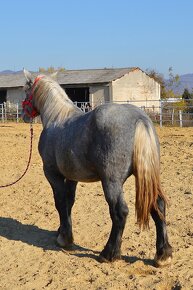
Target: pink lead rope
column 26, row 104
column 30, row 154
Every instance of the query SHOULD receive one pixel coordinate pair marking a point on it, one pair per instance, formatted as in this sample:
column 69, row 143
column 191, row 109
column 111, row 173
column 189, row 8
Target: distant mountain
column 185, row 82
column 7, row 72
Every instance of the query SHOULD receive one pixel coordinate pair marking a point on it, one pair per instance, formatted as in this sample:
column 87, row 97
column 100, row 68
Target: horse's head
column 29, row 110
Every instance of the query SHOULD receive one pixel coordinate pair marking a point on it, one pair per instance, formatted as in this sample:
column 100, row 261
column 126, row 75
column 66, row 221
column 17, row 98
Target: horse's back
column 117, row 122
column 126, row 114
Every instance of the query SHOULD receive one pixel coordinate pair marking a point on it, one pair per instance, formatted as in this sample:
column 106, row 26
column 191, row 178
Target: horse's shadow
column 12, row 229
column 127, row 259
column 133, row 259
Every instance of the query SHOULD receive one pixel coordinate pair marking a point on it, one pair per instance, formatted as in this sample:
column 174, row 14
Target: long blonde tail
column 147, row 173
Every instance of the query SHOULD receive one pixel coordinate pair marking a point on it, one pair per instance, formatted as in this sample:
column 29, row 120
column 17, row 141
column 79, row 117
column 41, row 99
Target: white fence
column 10, row 112
column 162, row 112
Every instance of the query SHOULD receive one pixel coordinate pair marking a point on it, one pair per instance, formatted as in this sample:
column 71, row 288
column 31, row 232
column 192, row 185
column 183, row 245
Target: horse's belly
column 78, row 171
column 84, row 178
column 80, row 176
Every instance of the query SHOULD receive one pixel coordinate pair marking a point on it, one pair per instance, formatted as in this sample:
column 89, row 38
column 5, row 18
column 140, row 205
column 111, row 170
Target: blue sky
column 79, row 34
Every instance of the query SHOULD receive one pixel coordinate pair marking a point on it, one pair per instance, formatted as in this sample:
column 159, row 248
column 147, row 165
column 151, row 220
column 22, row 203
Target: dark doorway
column 3, row 96
column 79, row 95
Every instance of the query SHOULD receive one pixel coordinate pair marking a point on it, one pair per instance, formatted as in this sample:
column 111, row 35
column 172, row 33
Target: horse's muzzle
column 26, row 118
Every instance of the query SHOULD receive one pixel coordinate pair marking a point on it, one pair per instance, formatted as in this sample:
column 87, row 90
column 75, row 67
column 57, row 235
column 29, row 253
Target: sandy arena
column 29, row 256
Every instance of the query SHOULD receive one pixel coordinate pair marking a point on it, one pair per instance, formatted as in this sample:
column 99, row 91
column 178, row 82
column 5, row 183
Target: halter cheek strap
column 27, row 104
column 28, row 108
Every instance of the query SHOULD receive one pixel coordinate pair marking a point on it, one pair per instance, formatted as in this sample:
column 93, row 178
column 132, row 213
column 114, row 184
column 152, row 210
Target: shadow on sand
column 14, row 230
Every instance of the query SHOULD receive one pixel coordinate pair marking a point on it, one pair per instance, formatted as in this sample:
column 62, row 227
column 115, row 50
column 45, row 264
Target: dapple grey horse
column 107, row 144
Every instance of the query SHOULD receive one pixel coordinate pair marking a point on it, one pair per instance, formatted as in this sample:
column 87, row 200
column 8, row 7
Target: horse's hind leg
column 118, row 212
column 64, row 196
column 163, row 249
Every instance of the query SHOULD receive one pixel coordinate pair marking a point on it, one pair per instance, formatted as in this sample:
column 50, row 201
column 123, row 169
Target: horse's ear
column 28, row 76
column 54, row 75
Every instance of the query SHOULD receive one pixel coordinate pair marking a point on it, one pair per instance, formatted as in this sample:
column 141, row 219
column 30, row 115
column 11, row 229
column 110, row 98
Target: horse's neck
column 57, row 108
column 49, row 115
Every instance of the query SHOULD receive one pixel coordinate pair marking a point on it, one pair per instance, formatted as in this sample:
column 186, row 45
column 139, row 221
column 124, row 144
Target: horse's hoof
column 103, row 259
column 62, row 242
column 160, row 263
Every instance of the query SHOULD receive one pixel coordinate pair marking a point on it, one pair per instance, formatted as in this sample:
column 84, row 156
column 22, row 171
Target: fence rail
column 162, row 112
column 10, row 112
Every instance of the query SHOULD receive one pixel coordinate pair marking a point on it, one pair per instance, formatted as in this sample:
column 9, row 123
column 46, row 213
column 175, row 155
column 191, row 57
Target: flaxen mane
column 53, row 102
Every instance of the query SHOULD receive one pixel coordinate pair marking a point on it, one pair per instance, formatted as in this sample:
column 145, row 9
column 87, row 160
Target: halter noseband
column 28, row 103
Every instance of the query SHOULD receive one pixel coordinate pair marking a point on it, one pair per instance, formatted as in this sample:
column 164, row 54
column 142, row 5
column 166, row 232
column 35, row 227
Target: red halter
column 26, row 104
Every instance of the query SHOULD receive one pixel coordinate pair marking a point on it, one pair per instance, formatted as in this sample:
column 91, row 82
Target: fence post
column 5, row 112
column 2, row 108
column 172, row 116
column 17, row 114
column 180, row 117
column 1, row 112
column 160, row 120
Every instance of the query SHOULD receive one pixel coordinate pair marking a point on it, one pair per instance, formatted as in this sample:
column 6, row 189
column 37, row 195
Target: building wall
column 98, row 95
column 15, row 95
column 136, row 86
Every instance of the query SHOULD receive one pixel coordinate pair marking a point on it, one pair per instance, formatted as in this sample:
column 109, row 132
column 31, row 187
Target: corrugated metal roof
column 70, row 77
column 92, row 76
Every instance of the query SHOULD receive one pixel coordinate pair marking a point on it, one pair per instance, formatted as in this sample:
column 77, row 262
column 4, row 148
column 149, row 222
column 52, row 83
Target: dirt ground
column 29, row 256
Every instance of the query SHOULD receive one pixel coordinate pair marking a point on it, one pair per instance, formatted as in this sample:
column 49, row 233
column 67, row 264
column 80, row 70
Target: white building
column 94, row 86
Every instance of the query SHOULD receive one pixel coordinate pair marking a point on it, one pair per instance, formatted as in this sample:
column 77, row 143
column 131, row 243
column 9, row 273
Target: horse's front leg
column 64, row 196
column 65, row 237
column 163, row 255
column 118, row 212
